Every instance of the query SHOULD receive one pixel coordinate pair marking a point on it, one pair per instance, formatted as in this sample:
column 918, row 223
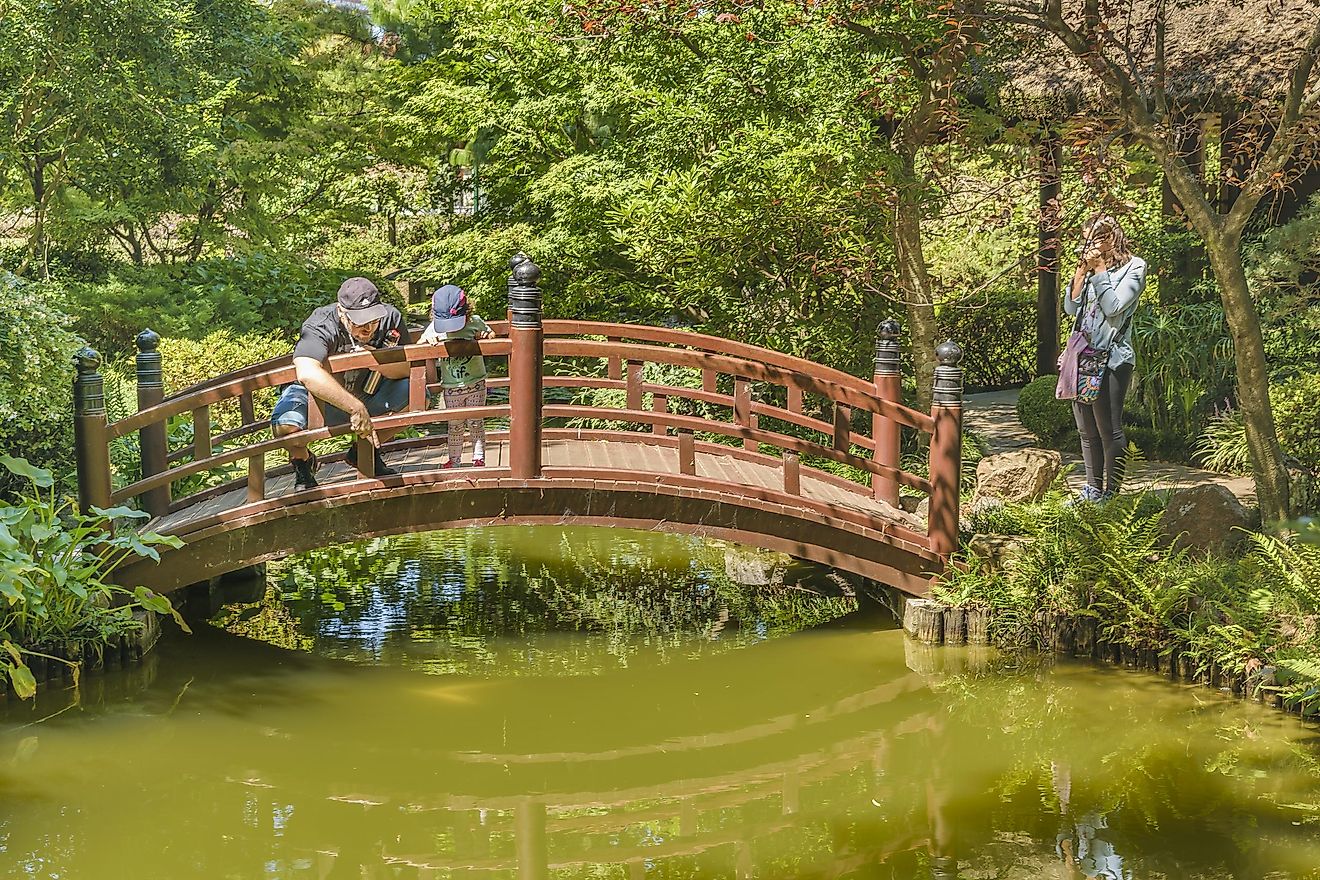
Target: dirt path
column 993, row 415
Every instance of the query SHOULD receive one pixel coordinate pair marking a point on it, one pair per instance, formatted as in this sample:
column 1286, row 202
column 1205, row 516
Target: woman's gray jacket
column 1111, row 299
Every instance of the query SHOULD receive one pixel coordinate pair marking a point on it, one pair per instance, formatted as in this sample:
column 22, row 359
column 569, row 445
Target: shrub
column 1184, row 365
column 362, row 254
column 1043, row 414
column 1222, row 446
column 36, row 375
column 998, row 336
column 1296, row 405
column 244, row 294
column 186, row 362
column 57, row 591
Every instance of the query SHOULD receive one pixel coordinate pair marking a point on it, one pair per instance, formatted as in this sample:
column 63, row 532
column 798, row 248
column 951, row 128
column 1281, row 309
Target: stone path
column 993, row 415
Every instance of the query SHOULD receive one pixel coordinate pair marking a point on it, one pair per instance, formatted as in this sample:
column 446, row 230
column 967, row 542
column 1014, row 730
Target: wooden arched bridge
column 720, row 438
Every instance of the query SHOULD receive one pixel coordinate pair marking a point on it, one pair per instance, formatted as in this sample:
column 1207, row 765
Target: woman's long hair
column 1103, row 224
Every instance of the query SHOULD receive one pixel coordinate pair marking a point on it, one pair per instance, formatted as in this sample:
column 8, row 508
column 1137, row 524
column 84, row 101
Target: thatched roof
column 1219, row 55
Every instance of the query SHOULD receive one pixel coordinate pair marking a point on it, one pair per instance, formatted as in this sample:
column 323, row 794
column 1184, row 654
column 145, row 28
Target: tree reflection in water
column 504, row 600
column 843, row 752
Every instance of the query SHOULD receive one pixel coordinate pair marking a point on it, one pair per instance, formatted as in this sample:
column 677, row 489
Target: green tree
column 1130, row 63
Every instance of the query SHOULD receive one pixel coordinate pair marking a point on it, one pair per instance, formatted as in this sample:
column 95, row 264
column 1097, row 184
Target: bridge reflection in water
column 248, row 761
column 665, row 429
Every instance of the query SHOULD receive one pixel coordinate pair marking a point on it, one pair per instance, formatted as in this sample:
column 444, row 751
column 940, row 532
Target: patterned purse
column 1091, row 365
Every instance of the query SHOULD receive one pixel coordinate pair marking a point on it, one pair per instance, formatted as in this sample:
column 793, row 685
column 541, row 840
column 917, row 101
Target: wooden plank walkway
column 595, row 454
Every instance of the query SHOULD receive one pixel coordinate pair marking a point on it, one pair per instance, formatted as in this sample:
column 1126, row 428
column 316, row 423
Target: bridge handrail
column 230, row 386
column 714, row 344
column 529, row 345
column 859, row 397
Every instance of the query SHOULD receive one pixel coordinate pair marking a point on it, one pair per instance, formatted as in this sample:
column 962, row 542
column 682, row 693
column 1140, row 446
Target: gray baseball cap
column 360, row 300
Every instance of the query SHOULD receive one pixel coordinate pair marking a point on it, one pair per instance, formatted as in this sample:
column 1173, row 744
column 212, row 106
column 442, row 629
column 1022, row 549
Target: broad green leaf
column 120, row 512
column 163, row 540
column 25, row 685
column 20, row 467
column 40, row 532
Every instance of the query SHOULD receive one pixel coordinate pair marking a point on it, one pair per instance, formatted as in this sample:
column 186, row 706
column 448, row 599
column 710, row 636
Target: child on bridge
column 462, row 378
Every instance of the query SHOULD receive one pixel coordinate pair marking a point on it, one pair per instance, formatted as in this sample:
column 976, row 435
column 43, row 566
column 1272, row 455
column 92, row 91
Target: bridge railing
column 729, row 399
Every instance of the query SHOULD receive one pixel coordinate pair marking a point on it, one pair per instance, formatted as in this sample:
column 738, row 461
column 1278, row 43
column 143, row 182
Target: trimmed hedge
column 1043, row 414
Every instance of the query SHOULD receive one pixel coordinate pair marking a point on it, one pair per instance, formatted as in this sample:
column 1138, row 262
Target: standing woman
column 1103, row 295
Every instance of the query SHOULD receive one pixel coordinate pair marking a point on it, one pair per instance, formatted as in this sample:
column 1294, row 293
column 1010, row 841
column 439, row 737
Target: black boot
column 304, row 472
column 382, row 469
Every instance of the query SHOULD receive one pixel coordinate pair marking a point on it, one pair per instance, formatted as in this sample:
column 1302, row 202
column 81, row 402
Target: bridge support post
column 151, row 438
column 946, row 449
column 529, row 819
column 91, row 440
column 885, row 432
column 527, row 338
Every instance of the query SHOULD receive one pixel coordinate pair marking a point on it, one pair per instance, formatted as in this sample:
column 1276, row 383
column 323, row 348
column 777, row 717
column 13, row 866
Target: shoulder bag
column 1082, row 366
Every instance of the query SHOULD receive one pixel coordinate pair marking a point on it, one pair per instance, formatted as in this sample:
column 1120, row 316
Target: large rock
column 1019, row 475
column 998, row 552
column 1207, row 518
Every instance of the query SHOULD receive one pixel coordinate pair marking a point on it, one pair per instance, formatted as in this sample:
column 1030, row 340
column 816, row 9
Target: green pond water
column 539, row 702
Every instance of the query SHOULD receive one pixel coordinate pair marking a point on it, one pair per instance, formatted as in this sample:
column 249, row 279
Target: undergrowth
column 1112, row 562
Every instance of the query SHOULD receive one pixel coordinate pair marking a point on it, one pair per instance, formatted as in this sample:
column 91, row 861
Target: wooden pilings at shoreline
column 122, row 651
column 934, row 624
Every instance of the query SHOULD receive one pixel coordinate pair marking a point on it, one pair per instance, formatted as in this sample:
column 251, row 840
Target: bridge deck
column 596, row 455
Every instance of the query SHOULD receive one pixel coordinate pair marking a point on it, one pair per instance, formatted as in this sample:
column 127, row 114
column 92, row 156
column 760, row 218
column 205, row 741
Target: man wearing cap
column 359, row 321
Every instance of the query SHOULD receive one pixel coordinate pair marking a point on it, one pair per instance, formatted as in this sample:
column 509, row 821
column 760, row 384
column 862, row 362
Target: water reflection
column 535, row 600
column 842, row 751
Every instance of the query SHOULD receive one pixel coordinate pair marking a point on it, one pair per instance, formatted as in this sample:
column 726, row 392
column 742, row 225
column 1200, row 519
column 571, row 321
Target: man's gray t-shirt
column 323, row 334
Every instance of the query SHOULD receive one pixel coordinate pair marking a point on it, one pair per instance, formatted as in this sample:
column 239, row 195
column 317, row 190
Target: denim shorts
column 291, row 408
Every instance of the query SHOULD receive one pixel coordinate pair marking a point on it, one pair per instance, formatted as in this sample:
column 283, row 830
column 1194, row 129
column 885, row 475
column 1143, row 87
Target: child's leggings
column 455, row 398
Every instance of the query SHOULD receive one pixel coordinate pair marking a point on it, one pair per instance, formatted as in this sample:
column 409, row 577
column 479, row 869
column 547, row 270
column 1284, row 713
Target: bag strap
column 1081, row 307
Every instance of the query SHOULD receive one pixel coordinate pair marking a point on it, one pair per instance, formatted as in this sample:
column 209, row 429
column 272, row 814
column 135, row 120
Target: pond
column 575, row 703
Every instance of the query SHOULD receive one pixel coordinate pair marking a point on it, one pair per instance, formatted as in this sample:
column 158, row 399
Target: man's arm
column 325, row 387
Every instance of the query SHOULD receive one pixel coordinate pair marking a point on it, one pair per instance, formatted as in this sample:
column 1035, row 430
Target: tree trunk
column 1223, row 243
column 1253, row 376
column 914, row 281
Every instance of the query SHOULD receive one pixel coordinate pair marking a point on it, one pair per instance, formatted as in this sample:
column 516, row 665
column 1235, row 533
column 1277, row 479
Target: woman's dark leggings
column 1100, row 424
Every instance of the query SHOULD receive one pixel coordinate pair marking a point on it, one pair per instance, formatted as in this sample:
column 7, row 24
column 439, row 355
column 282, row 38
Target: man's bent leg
column 390, row 397
column 290, row 417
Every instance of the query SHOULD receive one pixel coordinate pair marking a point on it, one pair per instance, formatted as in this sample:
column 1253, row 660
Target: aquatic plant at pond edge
column 1256, row 614
column 55, row 569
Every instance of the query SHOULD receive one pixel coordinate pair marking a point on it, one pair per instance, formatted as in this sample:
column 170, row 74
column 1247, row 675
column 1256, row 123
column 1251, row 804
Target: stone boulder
column 1204, row 518
column 998, row 552
column 1019, row 475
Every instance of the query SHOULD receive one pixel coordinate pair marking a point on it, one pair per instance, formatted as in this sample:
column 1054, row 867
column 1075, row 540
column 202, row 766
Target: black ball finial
column 888, row 329
column 148, row 340
column 527, row 273
column 516, row 260
column 87, row 360
column 949, row 353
